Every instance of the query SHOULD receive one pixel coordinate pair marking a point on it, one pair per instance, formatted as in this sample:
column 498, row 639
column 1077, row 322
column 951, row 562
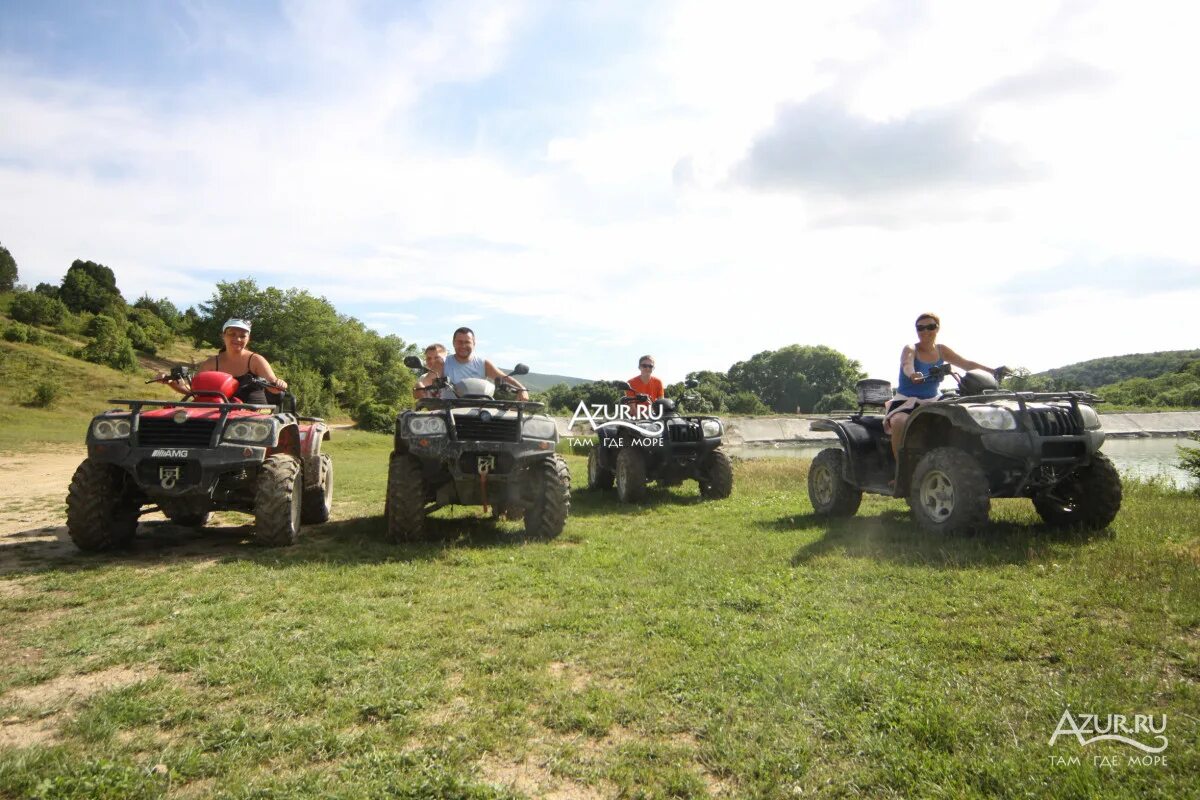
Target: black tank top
column 246, row 392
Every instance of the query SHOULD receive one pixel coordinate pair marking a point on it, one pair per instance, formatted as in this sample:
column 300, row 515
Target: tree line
column 333, row 362
column 795, row 378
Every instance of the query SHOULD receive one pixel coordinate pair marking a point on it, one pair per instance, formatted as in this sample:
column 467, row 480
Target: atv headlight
column 539, row 428
column 111, row 428
column 711, row 428
column 425, row 425
column 993, row 418
column 247, row 431
column 1091, row 420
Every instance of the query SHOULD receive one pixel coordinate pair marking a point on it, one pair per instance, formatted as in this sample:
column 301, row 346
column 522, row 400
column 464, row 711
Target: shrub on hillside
column 45, row 394
column 109, row 345
column 16, row 332
column 37, row 309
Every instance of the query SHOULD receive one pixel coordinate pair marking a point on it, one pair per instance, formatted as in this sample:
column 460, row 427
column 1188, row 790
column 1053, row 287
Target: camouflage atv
column 972, row 445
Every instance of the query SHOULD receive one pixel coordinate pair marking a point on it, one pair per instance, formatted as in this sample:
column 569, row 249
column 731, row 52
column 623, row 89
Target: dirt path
column 33, row 489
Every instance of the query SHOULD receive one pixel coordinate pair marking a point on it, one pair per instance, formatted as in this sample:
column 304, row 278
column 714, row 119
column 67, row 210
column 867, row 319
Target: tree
column 1189, row 459
column 797, row 376
column 146, row 331
column 164, row 309
column 8, row 270
column 89, row 286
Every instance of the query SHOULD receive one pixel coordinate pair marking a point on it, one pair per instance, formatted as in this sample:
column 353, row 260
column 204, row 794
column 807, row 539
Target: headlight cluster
column 111, row 428
column 1091, row 420
column 710, row 428
column 247, row 431
column 424, row 425
column 993, row 418
column 539, row 429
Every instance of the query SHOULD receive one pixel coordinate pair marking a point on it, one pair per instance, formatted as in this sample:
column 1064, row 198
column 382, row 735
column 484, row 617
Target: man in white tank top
column 466, row 364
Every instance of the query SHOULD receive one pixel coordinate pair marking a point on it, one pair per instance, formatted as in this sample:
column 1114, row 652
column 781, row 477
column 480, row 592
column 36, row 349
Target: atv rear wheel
column 277, row 501
column 405, row 507
column 1089, row 497
column 830, row 494
column 599, row 477
column 100, row 514
column 716, row 481
column 631, row 475
column 318, row 501
column 949, row 492
column 546, row 516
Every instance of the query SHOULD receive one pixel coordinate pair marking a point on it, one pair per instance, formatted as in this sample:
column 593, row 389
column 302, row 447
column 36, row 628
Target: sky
column 583, row 183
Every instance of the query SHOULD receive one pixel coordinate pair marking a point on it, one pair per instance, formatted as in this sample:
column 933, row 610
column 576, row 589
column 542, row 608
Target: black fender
column 929, row 426
column 858, row 443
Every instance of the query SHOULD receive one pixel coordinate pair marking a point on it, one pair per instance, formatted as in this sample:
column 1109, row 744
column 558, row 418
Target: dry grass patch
column 531, row 777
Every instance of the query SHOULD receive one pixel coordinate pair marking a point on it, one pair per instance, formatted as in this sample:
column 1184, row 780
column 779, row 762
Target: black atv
column 471, row 447
column 652, row 441
column 973, row 444
column 208, row 451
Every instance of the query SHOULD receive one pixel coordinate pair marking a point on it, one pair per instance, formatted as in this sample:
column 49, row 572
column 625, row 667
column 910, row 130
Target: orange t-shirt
column 653, row 387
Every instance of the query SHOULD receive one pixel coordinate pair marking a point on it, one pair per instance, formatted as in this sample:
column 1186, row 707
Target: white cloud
column 625, row 234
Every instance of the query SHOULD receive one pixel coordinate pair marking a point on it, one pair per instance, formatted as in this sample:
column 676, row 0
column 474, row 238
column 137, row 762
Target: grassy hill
column 83, row 390
column 1112, row 369
column 538, row 382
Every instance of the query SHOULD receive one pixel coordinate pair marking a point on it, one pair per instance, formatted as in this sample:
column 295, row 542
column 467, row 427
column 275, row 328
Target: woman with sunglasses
column 915, row 387
column 645, row 382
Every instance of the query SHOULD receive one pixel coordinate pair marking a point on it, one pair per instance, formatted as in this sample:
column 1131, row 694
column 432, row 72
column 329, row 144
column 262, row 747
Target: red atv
column 208, row 451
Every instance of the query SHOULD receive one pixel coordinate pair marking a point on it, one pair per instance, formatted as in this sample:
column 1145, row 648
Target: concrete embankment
column 798, row 431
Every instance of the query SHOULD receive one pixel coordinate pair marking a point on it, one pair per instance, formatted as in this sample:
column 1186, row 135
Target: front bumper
column 172, row 475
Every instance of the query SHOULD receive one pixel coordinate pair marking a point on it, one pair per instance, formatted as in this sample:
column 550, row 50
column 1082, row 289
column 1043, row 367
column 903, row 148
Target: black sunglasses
column 933, row 327
column 645, row 366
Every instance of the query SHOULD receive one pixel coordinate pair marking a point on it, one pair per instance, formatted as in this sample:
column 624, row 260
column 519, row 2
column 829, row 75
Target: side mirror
column 520, row 369
column 412, row 362
column 691, row 383
column 622, row 385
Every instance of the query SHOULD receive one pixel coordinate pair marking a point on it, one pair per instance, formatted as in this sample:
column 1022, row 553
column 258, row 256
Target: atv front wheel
column 546, row 516
column 277, row 501
column 830, row 494
column 1089, row 497
column 599, row 477
column 949, row 492
column 318, row 501
column 405, row 507
column 631, row 476
column 99, row 513
column 716, row 481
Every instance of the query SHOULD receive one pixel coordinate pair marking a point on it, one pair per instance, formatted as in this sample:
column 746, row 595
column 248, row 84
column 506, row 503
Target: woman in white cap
column 240, row 362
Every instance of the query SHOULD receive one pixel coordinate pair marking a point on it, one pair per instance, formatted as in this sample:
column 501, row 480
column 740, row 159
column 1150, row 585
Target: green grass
column 674, row 649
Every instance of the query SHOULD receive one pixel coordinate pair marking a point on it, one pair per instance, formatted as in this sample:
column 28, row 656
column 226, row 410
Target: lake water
column 1141, row 458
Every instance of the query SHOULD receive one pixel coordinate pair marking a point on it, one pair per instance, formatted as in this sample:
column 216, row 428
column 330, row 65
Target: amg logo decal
column 169, row 454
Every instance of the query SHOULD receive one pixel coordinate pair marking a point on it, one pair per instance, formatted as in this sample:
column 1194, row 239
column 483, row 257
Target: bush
column 747, row 403
column 147, row 331
column 840, row 401
column 1189, row 459
column 45, row 394
column 37, row 309
column 109, row 345
column 17, row 332
column 313, row 397
column 376, row 417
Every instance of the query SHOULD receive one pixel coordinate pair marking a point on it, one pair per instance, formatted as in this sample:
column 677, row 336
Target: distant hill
column 538, row 382
column 1113, row 369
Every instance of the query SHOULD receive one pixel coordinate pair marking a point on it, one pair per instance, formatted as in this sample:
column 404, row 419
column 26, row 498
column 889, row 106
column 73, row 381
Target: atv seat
column 871, row 422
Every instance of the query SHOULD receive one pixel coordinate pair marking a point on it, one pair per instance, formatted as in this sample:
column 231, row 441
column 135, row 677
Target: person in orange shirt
column 645, row 383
